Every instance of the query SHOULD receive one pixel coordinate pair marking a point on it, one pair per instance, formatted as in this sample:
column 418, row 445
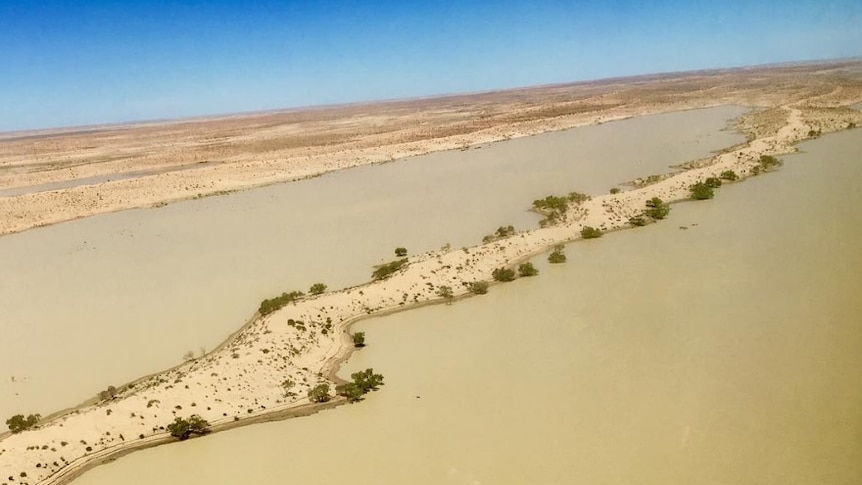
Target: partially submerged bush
column 557, row 256
column 501, row 233
column 400, row 252
column 768, row 162
column 615, row 190
column 358, row 339
column 589, row 232
column 363, row 383
column 713, row 182
column 701, row 191
column 445, row 291
column 503, row 274
column 385, row 270
column 317, row 289
column 527, row 269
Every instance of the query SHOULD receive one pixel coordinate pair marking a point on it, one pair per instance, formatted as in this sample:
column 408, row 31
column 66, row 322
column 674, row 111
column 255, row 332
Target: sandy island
column 240, row 382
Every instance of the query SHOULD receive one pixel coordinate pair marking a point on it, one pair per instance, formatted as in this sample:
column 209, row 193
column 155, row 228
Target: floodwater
column 104, row 300
column 724, row 353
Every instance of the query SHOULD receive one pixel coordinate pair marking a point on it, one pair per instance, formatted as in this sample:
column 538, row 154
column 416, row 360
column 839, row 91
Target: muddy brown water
column 103, row 300
column 721, row 346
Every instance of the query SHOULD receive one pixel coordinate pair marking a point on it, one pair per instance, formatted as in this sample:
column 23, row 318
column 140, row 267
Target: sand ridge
column 241, row 381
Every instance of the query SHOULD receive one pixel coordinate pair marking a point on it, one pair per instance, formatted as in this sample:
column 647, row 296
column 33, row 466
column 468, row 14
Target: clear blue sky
column 83, row 62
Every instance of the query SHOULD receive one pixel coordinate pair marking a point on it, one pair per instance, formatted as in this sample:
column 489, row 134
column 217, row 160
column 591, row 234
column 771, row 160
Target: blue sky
column 68, row 63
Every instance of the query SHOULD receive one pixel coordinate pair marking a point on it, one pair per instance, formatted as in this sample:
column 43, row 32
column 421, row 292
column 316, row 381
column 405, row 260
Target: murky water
column 104, row 300
column 725, row 353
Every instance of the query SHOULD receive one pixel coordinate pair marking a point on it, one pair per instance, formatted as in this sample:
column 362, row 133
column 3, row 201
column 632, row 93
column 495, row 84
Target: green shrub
column 551, row 203
column 557, row 256
column 19, row 423
column 358, row 339
column 349, row 390
column 500, row 233
column 182, row 429
column 590, row 232
column 713, row 182
column 637, row 221
column 701, row 191
column 385, row 270
column 527, row 269
column 656, row 208
column 615, row 190
column 317, row 289
column 363, row 383
column 400, row 252
column 478, row 287
column 768, row 162
column 851, row 125
column 503, row 274
column 445, row 292
column 319, row 393
column 729, row 175
column 272, row 304
column 577, row 197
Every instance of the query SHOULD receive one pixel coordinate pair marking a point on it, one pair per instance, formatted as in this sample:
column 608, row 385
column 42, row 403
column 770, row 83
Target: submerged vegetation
column 503, row 274
column 363, row 383
column 527, row 269
column 701, row 191
column 657, row 208
column 478, row 287
column 557, row 256
column 589, row 232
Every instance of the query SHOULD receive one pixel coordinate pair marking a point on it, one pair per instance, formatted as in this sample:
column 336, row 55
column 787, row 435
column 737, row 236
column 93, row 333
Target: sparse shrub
column 577, row 197
column 527, row 269
column 637, row 221
column 768, row 162
column 551, row 203
column 729, row 175
column 478, row 287
column 317, row 289
column 386, row 270
column 851, row 125
column 701, row 191
column 503, row 274
column 108, row 393
column 445, row 292
column 615, row 190
column 590, row 232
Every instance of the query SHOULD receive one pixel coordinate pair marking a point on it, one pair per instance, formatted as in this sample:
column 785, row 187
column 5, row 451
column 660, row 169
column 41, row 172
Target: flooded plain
column 103, row 300
column 721, row 346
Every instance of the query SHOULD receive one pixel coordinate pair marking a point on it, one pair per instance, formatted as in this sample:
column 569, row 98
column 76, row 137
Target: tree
column 349, row 390
column 590, row 232
column 615, row 190
column 656, row 208
column 367, row 380
column 319, row 393
column 527, row 269
column 317, row 288
column 478, row 287
column 272, row 304
column 701, row 191
column 557, row 256
column 445, row 292
column 400, row 252
column 768, row 162
column 503, row 274
column 713, row 182
column 358, row 339
column 182, row 429
column 19, row 423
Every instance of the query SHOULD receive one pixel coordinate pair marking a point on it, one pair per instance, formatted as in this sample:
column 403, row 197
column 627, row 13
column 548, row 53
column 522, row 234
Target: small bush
column 615, row 190
column 638, row 221
column 358, row 339
column 445, row 292
column 729, row 175
column 656, row 208
column 557, row 256
column 317, row 289
column 768, row 162
column 577, row 197
column 527, row 269
column 319, row 393
column 551, row 203
column 851, row 125
column 503, row 274
column 713, row 182
column 400, row 252
column 478, row 287
column 701, row 191
column 590, row 232
column 385, row 270
column 182, row 429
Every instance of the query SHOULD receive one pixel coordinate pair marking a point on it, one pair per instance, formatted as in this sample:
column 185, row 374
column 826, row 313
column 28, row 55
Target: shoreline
column 327, row 353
